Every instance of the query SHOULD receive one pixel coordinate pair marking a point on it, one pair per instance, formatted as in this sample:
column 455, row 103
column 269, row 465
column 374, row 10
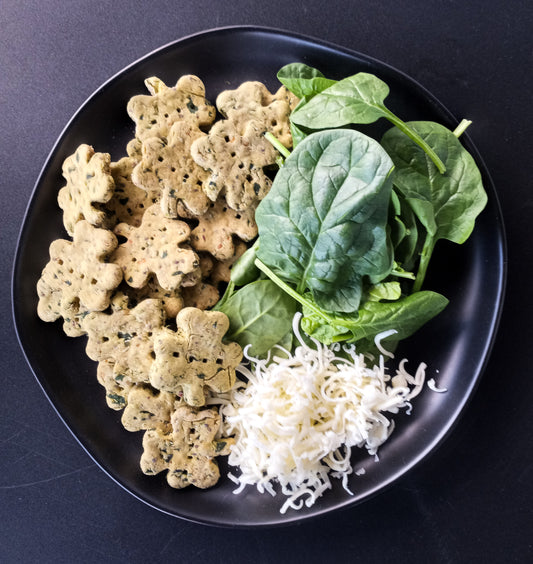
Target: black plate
column 456, row 344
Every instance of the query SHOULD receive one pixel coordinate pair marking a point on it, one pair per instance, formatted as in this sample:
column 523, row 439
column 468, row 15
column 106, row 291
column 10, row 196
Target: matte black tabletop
column 471, row 500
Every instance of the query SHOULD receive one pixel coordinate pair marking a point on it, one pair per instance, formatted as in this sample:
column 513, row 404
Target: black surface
column 472, row 498
column 455, row 346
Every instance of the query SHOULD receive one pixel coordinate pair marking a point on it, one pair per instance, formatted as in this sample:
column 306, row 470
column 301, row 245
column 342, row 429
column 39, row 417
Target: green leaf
column 323, row 225
column 243, row 270
column 260, row 315
column 405, row 315
column 384, row 291
column 448, row 204
column 358, row 99
column 302, row 80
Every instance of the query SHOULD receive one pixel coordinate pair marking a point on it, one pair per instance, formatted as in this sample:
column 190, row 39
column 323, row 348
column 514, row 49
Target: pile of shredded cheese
column 297, row 417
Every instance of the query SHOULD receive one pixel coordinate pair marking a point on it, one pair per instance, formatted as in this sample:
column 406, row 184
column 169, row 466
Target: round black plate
column 455, row 345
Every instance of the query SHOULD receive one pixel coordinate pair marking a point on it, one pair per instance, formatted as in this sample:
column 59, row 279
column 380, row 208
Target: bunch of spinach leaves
column 349, row 226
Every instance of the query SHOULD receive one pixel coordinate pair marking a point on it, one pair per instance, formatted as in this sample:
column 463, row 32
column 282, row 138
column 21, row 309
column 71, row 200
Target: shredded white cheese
column 297, row 418
column 433, row 387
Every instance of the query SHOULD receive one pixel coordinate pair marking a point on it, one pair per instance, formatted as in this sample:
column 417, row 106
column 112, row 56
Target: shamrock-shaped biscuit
column 217, row 227
column 154, row 114
column 167, row 166
column 155, row 247
column 171, row 300
column 200, row 296
column 235, row 151
column 124, row 337
column 129, row 202
column 89, row 182
column 116, row 386
column 193, row 359
column 148, row 409
column 188, row 451
column 221, row 271
column 77, row 279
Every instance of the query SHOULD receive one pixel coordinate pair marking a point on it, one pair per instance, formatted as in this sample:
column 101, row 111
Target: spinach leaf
column 405, row 315
column 405, row 232
column 302, row 80
column 243, row 270
column 323, row 225
column 357, row 99
column 260, row 315
column 445, row 204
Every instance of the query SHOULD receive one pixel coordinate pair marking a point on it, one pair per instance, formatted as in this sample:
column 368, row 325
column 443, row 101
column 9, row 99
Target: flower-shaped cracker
column 129, row 202
column 200, row 296
column 171, row 300
column 155, row 247
column 116, row 386
column 193, row 359
column 124, row 337
column 235, row 150
column 154, row 114
column 217, row 227
column 167, row 166
column 89, row 182
column 148, row 409
column 188, row 452
column 77, row 279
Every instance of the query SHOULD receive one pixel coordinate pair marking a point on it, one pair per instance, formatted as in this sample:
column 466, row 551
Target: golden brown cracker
column 154, row 114
column 219, row 225
column 193, row 359
column 171, row 300
column 116, row 386
column 235, row 150
column 147, row 408
column 129, row 202
column 125, row 338
column 201, row 296
column 89, row 184
column 157, row 248
column 188, row 452
column 77, row 279
column 167, row 167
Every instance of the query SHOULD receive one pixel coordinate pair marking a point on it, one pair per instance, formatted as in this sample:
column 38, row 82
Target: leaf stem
column 277, row 144
column 460, row 129
column 413, row 135
column 425, row 256
column 290, row 291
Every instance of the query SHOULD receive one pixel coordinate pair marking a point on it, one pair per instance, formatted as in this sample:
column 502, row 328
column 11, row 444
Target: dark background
column 472, row 499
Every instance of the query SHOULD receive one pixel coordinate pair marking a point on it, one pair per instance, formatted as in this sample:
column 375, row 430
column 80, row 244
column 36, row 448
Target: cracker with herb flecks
column 171, row 300
column 148, row 408
column 77, row 279
column 167, row 166
column 201, row 296
column 221, row 271
column 193, row 359
column 129, row 202
column 155, row 113
column 125, row 338
column 116, row 386
column 157, row 247
column 188, row 451
column 89, row 185
column 217, row 227
column 235, row 150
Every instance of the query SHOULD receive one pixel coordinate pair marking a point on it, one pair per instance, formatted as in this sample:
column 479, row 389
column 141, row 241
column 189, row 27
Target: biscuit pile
column 152, row 238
